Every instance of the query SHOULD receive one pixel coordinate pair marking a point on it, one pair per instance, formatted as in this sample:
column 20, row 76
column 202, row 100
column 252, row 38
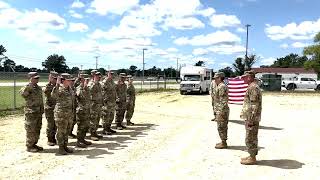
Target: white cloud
column 200, row 51
column 303, row 31
column 299, row 45
column 183, row 23
column 227, row 49
column 78, row 27
column 206, row 12
column 75, row 14
column 241, row 30
column 104, row 7
column 284, row 46
column 77, row 4
column 224, row 64
column 218, row 37
column 223, row 20
column 4, row 5
column 172, row 50
column 267, row 61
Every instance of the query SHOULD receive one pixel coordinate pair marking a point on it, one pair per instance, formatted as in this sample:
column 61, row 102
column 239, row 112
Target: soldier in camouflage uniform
column 49, row 107
column 121, row 92
column 131, row 101
column 63, row 112
column 33, row 110
column 93, row 72
column 74, row 120
column 83, row 98
column 109, row 103
column 212, row 88
column 251, row 113
column 96, row 105
column 221, row 109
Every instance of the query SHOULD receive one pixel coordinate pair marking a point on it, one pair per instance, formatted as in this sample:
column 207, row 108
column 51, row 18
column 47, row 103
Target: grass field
column 7, row 98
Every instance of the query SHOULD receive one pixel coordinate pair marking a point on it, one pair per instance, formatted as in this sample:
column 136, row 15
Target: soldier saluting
column 131, row 100
column 33, row 111
column 251, row 113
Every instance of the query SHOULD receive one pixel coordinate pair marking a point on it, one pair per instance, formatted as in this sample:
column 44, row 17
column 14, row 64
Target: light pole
column 144, row 49
column 246, row 57
column 96, row 62
column 177, row 72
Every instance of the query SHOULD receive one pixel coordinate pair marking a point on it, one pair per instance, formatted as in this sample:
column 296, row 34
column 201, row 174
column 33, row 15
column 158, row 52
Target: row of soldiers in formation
column 251, row 113
column 80, row 100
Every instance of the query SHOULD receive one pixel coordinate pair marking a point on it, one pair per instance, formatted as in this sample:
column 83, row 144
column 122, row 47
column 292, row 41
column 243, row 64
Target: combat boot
column 129, row 123
column 251, row 160
column 51, row 142
column 94, row 136
column 38, row 147
column 222, row 145
column 87, row 142
column 68, row 150
column 80, row 144
column 72, row 136
column 62, row 151
column 32, row 149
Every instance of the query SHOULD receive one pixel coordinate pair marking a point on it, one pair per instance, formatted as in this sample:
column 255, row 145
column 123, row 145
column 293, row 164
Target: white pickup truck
column 301, row 83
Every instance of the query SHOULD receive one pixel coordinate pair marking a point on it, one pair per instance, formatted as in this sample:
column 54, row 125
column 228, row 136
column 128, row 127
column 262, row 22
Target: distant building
column 287, row 73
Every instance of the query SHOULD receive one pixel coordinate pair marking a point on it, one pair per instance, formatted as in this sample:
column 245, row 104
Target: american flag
column 237, row 89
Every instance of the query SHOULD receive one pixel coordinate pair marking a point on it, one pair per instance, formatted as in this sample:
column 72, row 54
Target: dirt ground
column 174, row 139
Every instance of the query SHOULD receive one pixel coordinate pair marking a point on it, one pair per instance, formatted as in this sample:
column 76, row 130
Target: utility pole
column 144, row 49
column 246, row 57
column 81, row 67
column 177, row 72
column 97, row 62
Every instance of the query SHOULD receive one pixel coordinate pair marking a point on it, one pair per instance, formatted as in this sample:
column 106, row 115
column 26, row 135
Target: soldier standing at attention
column 109, row 103
column 121, row 91
column 221, row 109
column 63, row 112
column 212, row 88
column 251, row 113
column 74, row 120
column 96, row 105
column 49, row 107
column 33, row 111
column 83, row 110
column 131, row 100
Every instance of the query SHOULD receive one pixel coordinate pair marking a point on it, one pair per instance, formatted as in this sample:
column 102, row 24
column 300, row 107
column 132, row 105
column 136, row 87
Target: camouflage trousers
column 51, row 125
column 222, row 125
column 120, row 110
column 130, row 110
column 63, row 121
column 107, row 116
column 32, row 125
column 252, row 139
column 83, row 122
column 95, row 115
column 74, row 122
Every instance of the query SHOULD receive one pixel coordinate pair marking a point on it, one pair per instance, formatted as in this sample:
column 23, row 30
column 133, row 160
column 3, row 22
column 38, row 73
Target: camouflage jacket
column 83, row 98
column 77, row 82
column 131, row 93
column 212, row 88
column 49, row 101
column 221, row 98
column 109, row 92
column 96, row 92
column 33, row 97
column 64, row 97
column 252, row 105
column 121, row 92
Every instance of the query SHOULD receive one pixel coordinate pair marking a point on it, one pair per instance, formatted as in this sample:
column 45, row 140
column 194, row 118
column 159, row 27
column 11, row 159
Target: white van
column 195, row 79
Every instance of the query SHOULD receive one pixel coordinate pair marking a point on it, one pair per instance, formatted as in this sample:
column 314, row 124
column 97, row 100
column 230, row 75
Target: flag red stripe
column 237, row 89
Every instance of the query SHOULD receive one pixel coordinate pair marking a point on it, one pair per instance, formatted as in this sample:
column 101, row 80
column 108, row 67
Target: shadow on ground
column 281, row 163
column 241, row 148
column 260, row 127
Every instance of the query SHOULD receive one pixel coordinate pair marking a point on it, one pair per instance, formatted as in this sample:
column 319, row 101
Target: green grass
column 7, row 98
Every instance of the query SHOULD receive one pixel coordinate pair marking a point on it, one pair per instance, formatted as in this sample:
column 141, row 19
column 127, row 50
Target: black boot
column 80, row 144
column 86, row 142
column 32, row 149
column 94, row 136
column 38, row 147
column 62, row 151
column 68, row 150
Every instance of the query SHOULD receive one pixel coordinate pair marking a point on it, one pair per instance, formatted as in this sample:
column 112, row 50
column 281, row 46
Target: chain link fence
column 12, row 82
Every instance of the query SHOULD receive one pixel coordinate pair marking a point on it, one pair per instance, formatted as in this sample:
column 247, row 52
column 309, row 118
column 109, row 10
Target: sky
column 117, row 31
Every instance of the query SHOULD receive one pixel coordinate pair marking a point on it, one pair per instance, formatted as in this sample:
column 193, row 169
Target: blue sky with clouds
column 118, row 30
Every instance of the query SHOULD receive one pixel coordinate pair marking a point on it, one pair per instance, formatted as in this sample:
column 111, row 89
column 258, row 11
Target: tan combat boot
column 222, row 145
column 62, row 151
column 251, row 160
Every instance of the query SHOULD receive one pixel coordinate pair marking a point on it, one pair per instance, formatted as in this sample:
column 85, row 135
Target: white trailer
column 195, row 79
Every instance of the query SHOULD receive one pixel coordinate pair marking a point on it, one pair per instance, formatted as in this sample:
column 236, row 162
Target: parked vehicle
column 195, row 79
column 301, row 83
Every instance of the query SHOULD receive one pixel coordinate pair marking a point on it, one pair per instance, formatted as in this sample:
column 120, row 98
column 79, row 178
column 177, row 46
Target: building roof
column 283, row 70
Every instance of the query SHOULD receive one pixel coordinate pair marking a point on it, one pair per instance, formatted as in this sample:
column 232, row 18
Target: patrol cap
column 54, row 74
column 65, row 76
column 98, row 73
column 249, row 73
column 219, row 74
column 94, row 71
column 72, row 78
column 33, row 75
column 122, row 75
column 83, row 75
column 129, row 77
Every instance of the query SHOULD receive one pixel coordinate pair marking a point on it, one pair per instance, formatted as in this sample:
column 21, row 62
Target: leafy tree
column 133, row 69
column 314, row 52
column 56, row 62
column 74, row 70
column 290, row 61
column 200, row 63
column 102, row 71
column 239, row 66
column 227, row 71
column 248, row 63
column 2, row 50
column 8, row 63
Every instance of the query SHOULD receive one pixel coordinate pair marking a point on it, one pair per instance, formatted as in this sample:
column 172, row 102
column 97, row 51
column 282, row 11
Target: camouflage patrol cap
column 129, row 77
column 219, row 74
column 54, row 74
column 33, row 75
column 98, row 73
column 94, row 71
column 65, row 76
column 83, row 75
column 122, row 75
column 249, row 73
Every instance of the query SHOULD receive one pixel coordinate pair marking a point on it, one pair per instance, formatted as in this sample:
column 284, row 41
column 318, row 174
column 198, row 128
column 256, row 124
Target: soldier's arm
column 255, row 98
column 25, row 91
column 46, row 90
column 55, row 92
